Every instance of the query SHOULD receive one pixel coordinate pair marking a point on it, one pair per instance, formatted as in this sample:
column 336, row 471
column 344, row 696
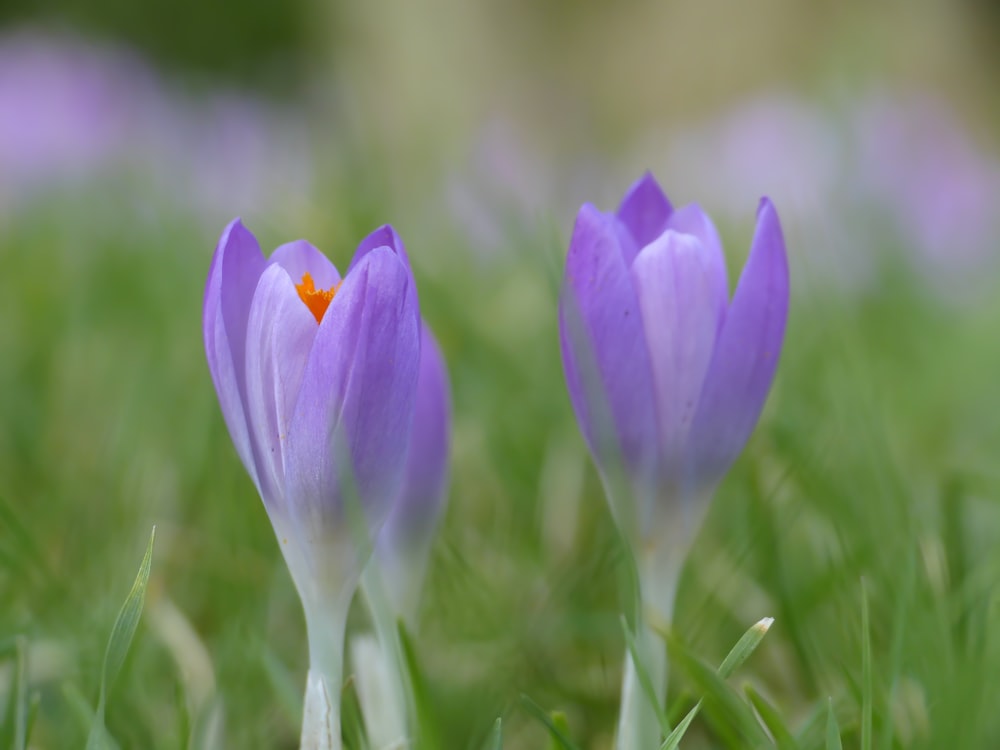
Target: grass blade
column 675, row 737
column 737, row 655
column 496, row 736
column 832, row 729
column 772, row 719
column 122, row 633
column 554, row 731
column 744, row 647
column 866, row 672
column 723, row 703
column 14, row 730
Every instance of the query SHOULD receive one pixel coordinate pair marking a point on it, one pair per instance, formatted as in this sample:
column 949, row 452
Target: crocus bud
column 404, row 543
column 667, row 375
column 317, row 379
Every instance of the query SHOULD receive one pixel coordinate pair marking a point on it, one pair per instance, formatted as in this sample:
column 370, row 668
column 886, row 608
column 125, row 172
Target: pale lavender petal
column 644, row 211
column 746, row 355
column 238, row 260
column 604, row 349
column 692, row 220
column 300, row 257
column 674, row 278
column 415, row 513
column 384, row 236
column 356, row 398
column 280, row 334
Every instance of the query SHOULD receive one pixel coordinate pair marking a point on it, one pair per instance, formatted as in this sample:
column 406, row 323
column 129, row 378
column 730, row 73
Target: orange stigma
column 317, row 300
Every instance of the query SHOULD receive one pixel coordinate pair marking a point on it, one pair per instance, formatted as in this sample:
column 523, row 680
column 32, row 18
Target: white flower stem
column 321, row 713
column 659, row 569
column 381, row 670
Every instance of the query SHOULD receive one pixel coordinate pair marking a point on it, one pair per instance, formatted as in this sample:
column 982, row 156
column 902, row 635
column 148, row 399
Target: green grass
column 871, row 477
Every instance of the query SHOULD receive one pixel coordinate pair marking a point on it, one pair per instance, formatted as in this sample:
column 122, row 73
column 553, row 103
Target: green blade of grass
column 744, row 647
column 14, row 730
column 122, row 633
column 723, row 703
column 675, row 737
column 554, row 731
column 772, row 719
column 496, row 736
column 737, row 655
column 832, row 728
column 866, row 672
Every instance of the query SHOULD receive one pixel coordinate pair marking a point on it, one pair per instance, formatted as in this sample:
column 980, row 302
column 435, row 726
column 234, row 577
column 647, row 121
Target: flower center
column 317, row 300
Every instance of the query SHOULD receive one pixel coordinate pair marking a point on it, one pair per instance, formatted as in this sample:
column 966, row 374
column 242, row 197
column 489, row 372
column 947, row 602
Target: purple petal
column 746, row 355
column 384, row 236
column 300, row 257
column 232, row 278
column 280, row 334
column 415, row 513
column 644, row 211
column 692, row 220
column 604, row 349
column 356, row 398
column 675, row 279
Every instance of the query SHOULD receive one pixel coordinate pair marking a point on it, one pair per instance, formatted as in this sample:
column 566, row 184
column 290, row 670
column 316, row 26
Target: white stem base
column 638, row 728
column 321, row 715
column 381, row 697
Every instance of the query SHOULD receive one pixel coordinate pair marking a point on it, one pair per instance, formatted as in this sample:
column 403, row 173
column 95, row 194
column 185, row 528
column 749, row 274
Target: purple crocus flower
column 317, row 379
column 667, row 376
column 405, row 540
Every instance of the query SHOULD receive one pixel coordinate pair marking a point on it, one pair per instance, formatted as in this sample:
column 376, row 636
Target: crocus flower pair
column 325, row 384
column 668, row 377
column 321, row 380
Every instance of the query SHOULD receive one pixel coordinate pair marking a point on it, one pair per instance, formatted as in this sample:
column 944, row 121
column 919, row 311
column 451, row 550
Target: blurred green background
column 130, row 133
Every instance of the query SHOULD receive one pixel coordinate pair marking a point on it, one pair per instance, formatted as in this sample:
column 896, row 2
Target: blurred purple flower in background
column 67, row 108
column 920, row 167
column 317, row 380
column 73, row 112
column 773, row 144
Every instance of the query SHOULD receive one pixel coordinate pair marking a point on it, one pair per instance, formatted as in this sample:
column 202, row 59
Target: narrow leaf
column 772, row 719
column 739, row 653
column 496, row 736
column 539, row 713
column 675, row 737
column 866, row 672
column 832, row 728
column 745, row 646
column 122, row 633
column 721, row 701
column 14, row 730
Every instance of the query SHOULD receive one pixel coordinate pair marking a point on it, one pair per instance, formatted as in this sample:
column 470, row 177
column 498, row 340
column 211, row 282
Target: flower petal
column 384, row 236
column 604, row 350
column 746, row 355
column 300, row 257
column 354, row 412
column 692, row 220
column 674, row 278
column 644, row 211
column 232, row 278
column 415, row 512
column 280, row 333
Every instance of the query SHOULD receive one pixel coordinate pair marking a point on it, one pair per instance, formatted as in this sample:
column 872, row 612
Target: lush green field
column 871, row 478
